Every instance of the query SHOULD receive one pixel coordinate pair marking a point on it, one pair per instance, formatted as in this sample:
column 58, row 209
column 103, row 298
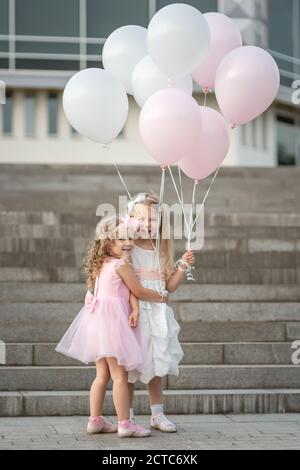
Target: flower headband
column 140, row 198
column 108, row 227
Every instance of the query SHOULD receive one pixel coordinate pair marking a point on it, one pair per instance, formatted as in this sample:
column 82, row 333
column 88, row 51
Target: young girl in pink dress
column 106, row 329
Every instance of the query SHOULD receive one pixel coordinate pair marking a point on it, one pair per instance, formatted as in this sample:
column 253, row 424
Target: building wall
column 252, row 145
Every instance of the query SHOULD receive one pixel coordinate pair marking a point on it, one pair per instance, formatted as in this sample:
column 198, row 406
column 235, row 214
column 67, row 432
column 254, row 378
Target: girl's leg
column 120, row 389
column 97, row 422
column 131, row 395
column 155, row 391
column 121, row 397
column 98, row 388
column 158, row 418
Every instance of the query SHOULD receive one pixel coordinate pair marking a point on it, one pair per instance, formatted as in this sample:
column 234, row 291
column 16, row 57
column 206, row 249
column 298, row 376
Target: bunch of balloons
column 157, row 66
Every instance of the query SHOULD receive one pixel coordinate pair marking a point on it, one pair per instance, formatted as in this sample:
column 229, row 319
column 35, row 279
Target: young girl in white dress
column 157, row 322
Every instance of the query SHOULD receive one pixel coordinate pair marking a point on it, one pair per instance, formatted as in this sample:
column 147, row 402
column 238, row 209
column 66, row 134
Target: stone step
column 191, row 377
column 190, row 292
column 236, row 189
column 222, row 259
column 68, row 403
column 227, row 199
column 238, row 223
column 235, row 276
column 203, row 322
column 79, row 245
column 73, row 235
column 259, row 173
column 44, row 354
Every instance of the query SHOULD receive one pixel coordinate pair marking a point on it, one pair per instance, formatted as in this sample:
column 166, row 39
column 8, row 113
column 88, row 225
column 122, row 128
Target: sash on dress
column 149, row 274
column 91, row 300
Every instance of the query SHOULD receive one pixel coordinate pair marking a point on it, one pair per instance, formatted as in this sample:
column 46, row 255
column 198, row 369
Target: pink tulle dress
column 101, row 328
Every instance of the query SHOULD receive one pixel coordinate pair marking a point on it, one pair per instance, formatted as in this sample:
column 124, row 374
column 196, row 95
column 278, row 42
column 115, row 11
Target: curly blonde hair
column 100, row 248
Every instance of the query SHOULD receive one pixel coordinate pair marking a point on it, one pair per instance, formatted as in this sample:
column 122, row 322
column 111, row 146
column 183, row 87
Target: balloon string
column 159, row 224
column 205, row 197
column 180, row 201
column 121, row 178
column 210, row 186
column 180, row 183
column 107, row 147
column 191, row 214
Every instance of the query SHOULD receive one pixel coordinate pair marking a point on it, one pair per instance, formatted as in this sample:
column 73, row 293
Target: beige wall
column 250, row 146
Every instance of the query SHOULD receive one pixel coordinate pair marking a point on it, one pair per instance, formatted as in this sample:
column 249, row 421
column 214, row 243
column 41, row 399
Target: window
column 47, row 18
column 4, row 16
column 285, row 17
column 60, row 35
column 7, row 114
column 52, row 113
column 47, row 64
column 30, row 114
column 103, row 16
column 47, row 47
column 281, row 19
column 203, row 5
column 288, row 141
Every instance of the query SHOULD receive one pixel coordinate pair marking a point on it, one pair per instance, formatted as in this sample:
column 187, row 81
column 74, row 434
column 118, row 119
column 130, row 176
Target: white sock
column 157, row 409
column 131, row 414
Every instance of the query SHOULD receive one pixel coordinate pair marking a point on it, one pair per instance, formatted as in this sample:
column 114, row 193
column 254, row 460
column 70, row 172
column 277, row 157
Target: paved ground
column 194, row 432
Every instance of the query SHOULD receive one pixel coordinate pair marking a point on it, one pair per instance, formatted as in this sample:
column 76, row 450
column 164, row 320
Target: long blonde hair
column 166, row 247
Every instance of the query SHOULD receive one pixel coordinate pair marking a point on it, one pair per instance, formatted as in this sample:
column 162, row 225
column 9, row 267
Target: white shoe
column 162, row 423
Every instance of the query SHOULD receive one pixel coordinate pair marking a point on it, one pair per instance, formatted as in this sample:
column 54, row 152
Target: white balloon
column 122, row 50
column 96, row 104
column 147, row 79
column 178, row 39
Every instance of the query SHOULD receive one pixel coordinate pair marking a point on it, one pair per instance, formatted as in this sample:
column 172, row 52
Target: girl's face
column 122, row 245
column 147, row 215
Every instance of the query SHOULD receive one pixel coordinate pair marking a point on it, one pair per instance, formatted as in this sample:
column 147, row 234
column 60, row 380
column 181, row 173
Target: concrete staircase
column 238, row 320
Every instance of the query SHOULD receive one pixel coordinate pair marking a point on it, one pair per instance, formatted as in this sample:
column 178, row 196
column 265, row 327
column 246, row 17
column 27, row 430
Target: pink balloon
column 169, row 125
column 225, row 36
column 211, row 147
column 247, row 83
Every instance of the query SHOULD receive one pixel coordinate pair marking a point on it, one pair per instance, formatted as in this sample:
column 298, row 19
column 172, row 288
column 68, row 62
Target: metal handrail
column 285, row 57
column 50, row 56
column 66, row 39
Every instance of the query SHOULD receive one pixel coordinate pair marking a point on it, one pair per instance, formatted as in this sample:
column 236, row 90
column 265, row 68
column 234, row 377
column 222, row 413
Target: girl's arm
column 127, row 273
column 174, row 281
column 134, row 315
column 134, row 303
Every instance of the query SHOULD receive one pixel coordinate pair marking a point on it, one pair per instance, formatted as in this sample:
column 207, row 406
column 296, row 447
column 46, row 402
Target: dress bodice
column 108, row 282
column 147, row 266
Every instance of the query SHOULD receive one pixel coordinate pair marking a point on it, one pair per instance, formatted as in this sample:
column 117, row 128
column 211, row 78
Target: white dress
column 157, row 323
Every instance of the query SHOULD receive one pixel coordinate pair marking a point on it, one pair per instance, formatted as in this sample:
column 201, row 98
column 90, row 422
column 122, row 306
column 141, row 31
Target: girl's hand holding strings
column 189, row 257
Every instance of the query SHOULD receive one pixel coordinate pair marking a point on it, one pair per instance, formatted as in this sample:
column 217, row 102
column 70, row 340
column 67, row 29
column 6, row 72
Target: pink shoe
column 126, row 428
column 130, row 429
column 140, row 431
column 100, row 424
column 109, row 426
